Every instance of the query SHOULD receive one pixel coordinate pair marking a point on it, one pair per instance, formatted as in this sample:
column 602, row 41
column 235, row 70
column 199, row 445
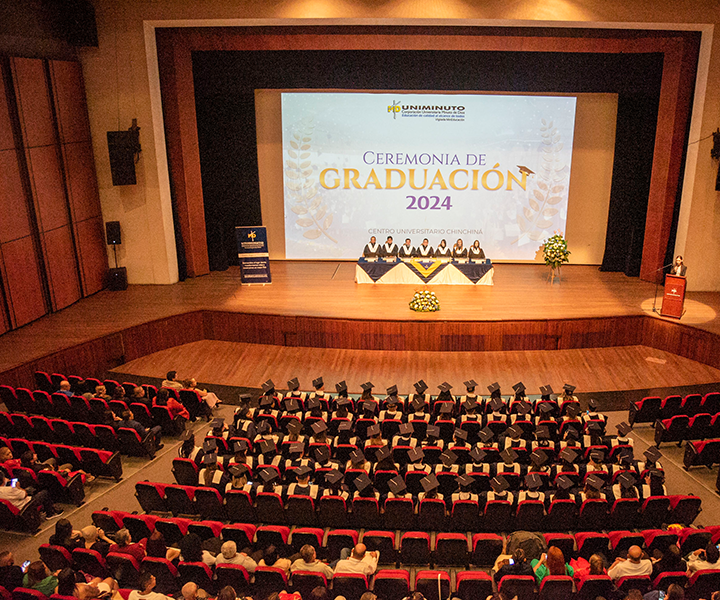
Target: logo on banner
column 252, row 235
column 438, row 112
column 394, row 109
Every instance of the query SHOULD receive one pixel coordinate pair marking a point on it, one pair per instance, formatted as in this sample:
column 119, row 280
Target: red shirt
column 135, row 550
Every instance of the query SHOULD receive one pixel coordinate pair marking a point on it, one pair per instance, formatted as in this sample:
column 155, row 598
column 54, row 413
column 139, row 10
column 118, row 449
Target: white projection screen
column 494, row 168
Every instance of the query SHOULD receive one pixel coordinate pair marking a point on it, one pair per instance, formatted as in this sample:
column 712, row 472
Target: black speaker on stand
column 117, row 276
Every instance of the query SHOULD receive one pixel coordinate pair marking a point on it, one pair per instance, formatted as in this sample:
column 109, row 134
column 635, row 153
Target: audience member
column 146, row 583
column 229, row 555
column 271, row 558
column 70, row 583
column 191, row 550
column 157, row 548
column 191, row 591
column 358, row 561
column 65, row 389
column 702, row 559
column 551, row 563
column 66, row 536
column 516, row 565
column 668, row 562
column 583, row 568
column 674, row 592
column 208, row 397
column 20, row 498
column 123, row 544
column 176, row 409
column 38, row 577
column 633, row 565
column 308, row 562
column 11, row 575
column 320, row 593
column 95, row 539
column 171, row 381
column 128, row 420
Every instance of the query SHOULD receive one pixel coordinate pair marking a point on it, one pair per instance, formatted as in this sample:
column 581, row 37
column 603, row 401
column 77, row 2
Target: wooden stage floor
column 327, row 289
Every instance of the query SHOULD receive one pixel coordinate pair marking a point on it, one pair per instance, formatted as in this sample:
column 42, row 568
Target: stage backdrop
column 493, row 168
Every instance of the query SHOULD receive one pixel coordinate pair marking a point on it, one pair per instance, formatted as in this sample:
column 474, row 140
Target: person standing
column 678, row 267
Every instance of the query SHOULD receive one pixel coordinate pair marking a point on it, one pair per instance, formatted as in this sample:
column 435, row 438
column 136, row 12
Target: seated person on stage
column 372, row 248
column 406, row 250
column 476, row 252
column 389, row 248
column 678, row 267
column 424, row 250
column 459, row 251
column 443, row 251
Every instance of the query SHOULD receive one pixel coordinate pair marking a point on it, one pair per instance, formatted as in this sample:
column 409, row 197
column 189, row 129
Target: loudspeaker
column 112, row 231
column 121, row 146
column 117, row 280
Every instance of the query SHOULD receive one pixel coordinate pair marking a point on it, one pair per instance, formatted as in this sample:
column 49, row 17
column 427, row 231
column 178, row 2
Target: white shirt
column 627, row 568
column 315, row 567
column 18, row 497
column 239, row 559
column 367, row 566
column 136, row 595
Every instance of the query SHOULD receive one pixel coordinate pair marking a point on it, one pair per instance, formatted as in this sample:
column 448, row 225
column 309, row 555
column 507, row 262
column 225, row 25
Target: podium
column 674, row 296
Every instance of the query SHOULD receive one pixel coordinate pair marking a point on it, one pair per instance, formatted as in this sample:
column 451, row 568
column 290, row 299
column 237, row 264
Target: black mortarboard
column 294, row 426
column 367, row 386
column 564, row 482
column 572, row 433
column 238, row 470
column 343, row 401
column 572, row 409
column 322, row 454
column 499, row 484
column 383, row 454
column 303, row 471
column 361, row 482
column 217, row 423
column 593, row 404
column 333, row 476
column 445, row 387
column 432, row 431
column 420, row 387
column 240, row 446
column 470, row 404
column 373, row 430
column 533, row 481
column 508, row 455
column 519, row 387
column 597, row 455
column 357, row 456
column 268, row 387
column 446, row 408
column 486, row 435
column 397, row 486
column 595, row 482
column 415, row 455
column 296, row 448
column 626, row 480
column 318, row 383
column 429, row 483
column 470, row 384
column 418, row 404
column 341, row 386
column 546, row 407
column 318, row 427
column 186, row 435
column 209, row 445
column 210, row 459
column 460, row 434
column 569, row 388
column 344, row 426
column 538, row 458
column 465, row 481
column 369, row 406
column 477, row 455
column 267, row 446
column 268, row 475
column 542, row 432
column 594, row 427
column 448, row 458
column 546, row 390
column 568, row 455
column 293, row 384
column 392, row 390
column 291, row 405
column 496, row 404
column 523, row 407
column 405, row 429
column 266, row 401
column 263, row 427
column 625, row 455
column 392, row 401
column 514, row 432
column 493, row 387
column 623, row 429
column 653, row 454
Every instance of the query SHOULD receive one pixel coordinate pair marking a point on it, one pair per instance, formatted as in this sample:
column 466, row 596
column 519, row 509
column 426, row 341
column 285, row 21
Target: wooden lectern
column 674, row 296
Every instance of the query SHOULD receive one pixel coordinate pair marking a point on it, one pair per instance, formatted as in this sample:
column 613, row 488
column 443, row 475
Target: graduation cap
column 361, row 482
column 573, row 409
column 486, row 435
column 369, row 406
column 415, row 455
column 392, row 390
column 497, row 404
column 296, row 448
column 392, row 401
column 477, row 455
column 420, row 387
column 268, row 387
column 318, row 383
column 594, row 427
column 333, row 476
column 595, row 482
column 367, row 386
column 267, row 446
column 429, row 483
column 445, row 386
column 302, row 472
column 418, row 404
column 493, row 387
column 268, row 475
column 344, row 426
column 187, row 435
column 546, row 390
column 238, row 470
column 397, row 485
column 294, row 427
column 266, row 401
column 446, row 408
column 357, row 456
column 625, row 455
column 656, row 473
column 546, row 407
column 210, row 446
column 318, row 427
column 533, row 481
column 448, row 458
column 508, row 455
column 406, row 429
column 572, row 433
column 569, row 389
column 525, row 170
column 291, row 405
column 499, row 484
column 470, row 404
column 514, row 432
column 523, row 407
column 263, row 427
column 623, row 429
column 341, row 387
column 322, row 454
column 597, row 455
column 217, row 423
column 432, row 431
column 568, row 455
column 343, row 401
column 627, row 480
column 652, row 454
column 293, row 384
column 244, row 398
column 519, row 387
column 470, row 384
column 538, row 458
column 210, row 459
column 240, row 446
column 564, row 482
column 373, row 430
column 593, row 404
column 542, row 432
column 460, row 434
column 465, row 481
column 383, row 454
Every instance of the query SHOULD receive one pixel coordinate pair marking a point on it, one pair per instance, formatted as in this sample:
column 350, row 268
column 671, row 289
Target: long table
column 414, row 272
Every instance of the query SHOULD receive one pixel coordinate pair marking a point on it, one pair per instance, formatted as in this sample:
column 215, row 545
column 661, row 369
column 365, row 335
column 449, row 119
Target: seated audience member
column 146, row 583
column 128, row 420
column 191, row 550
column 38, row 577
column 322, row 593
column 65, row 389
column 271, row 558
column 583, row 568
column 517, row 565
column 230, row 556
column 119, row 393
column 176, row 409
column 668, row 562
column 674, row 592
column 633, row 565
column 11, row 575
column 139, row 396
column 157, row 548
column 123, row 544
column 69, row 584
column 309, row 562
column 704, row 558
column 95, row 539
column 171, row 381
column 209, row 398
column 357, row 561
column 551, row 563
column 101, row 392
column 19, row 498
column 66, row 536
column 7, row 459
column 191, row 591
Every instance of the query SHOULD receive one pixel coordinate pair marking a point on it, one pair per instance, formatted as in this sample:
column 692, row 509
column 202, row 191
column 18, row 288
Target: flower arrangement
column 555, row 251
column 425, row 301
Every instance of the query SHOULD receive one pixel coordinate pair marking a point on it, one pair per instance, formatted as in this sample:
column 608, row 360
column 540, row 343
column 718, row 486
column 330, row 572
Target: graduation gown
column 371, row 250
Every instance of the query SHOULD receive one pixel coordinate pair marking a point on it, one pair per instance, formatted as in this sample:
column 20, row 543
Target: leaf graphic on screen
column 304, row 222
column 328, row 222
column 313, row 234
column 528, row 213
column 291, row 164
column 304, row 155
column 298, row 209
column 320, row 213
column 549, row 212
column 294, row 144
column 303, row 165
column 292, row 154
column 542, row 185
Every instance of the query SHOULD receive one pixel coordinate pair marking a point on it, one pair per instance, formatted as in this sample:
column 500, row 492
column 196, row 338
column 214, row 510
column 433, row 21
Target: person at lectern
column 459, row 251
column 476, row 252
column 406, row 250
column 372, row 248
column 425, row 250
column 678, row 267
column 443, row 251
column 389, row 248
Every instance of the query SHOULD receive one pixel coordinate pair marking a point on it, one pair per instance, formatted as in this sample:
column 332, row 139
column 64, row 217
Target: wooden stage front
column 318, row 305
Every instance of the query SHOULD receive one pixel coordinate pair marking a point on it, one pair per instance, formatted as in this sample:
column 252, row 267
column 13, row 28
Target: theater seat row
column 652, row 408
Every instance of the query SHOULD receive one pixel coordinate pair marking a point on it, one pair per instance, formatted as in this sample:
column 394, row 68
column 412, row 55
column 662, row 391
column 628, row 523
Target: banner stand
column 253, row 255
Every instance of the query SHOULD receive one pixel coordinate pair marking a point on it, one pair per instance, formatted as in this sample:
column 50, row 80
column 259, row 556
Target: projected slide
column 489, row 168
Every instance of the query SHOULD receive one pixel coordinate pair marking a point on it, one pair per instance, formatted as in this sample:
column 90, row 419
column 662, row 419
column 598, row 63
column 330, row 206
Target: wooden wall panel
column 7, row 140
column 68, row 91
column 22, row 281
column 81, row 181
column 33, row 98
column 48, row 188
column 15, row 222
column 92, row 253
column 61, row 266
